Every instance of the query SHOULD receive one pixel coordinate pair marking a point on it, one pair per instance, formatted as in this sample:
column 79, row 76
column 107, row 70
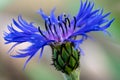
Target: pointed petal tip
column 42, row 14
column 39, row 11
column 113, row 19
column 108, row 24
column 19, row 55
column 19, row 15
column 27, row 61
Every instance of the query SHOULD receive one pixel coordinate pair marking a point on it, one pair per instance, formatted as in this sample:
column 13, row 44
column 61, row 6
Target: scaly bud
column 65, row 57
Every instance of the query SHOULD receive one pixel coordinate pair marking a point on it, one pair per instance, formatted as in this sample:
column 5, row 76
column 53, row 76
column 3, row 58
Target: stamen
column 64, row 15
column 56, row 31
column 50, row 26
column 58, row 18
column 46, row 26
column 67, row 20
column 75, row 21
column 60, row 25
column 65, row 26
column 49, row 21
column 41, row 32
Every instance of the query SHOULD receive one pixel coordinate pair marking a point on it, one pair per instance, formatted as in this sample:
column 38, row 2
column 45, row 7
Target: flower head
column 60, row 30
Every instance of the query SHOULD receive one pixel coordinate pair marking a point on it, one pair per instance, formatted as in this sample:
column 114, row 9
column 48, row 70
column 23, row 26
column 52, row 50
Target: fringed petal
column 91, row 20
column 42, row 14
column 53, row 17
column 28, row 33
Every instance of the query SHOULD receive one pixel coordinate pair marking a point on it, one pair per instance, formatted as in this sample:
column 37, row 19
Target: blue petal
column 52, row 16
column 108, row 24
column 28, row 33
column 12, row 47
column 24, row 26
column 43, row 15
column 29, row 27
column 91, row 20
column 27, row 61
column 41, row 52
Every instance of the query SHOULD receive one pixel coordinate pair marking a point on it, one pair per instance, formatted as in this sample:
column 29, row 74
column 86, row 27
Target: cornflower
column 61, row 34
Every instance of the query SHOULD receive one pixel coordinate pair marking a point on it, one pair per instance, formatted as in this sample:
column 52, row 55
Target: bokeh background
column 102, row 56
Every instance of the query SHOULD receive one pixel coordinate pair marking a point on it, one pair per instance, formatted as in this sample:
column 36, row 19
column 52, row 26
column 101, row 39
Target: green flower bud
column 65, row 57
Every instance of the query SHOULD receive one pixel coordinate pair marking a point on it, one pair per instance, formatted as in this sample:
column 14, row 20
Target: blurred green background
column 102, row 56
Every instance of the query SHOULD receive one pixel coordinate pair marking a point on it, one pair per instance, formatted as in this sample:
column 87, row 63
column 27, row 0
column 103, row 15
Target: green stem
column 75, row 75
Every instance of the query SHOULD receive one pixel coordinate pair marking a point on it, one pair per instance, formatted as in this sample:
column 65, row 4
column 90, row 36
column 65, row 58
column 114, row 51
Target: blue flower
column 59, row 30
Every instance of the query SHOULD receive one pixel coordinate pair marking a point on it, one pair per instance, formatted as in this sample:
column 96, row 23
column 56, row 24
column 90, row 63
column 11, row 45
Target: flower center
column 58, row 30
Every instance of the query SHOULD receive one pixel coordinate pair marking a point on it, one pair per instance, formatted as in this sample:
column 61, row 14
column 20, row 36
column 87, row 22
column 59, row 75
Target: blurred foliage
column 4, row 3
column 42, row 72
column 114, row 66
